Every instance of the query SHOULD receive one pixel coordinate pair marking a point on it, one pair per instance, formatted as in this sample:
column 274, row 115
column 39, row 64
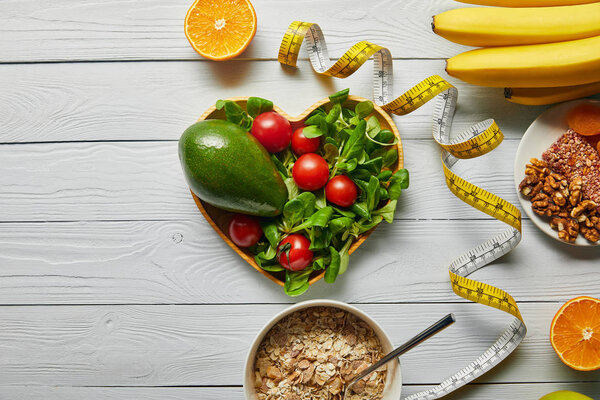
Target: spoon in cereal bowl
column 416, row 340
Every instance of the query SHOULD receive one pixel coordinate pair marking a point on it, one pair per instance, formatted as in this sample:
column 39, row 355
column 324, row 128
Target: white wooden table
column 113, row 286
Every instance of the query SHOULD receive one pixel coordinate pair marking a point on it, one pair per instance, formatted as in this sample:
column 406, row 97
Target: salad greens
column 353, row 144
column 236, row 114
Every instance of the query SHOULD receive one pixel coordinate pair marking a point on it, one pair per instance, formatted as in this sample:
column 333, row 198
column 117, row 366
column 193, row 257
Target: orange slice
column 220, row 29
column 575, row 333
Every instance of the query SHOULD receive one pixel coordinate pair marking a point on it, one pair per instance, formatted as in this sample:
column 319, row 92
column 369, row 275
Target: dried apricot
column 585, row 119
column 594, row 141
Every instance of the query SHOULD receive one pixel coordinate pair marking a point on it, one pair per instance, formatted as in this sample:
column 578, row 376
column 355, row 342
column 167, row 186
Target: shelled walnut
column 535, row 173
column 542, row 204
column 568, row 228
column 583, row 208
column 552, row 195
column 575, row 191
column 590, row 226
column 591, row 234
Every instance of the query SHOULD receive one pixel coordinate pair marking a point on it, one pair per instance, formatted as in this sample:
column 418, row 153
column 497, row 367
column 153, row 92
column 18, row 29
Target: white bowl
column 544, row 131
column 393, row 384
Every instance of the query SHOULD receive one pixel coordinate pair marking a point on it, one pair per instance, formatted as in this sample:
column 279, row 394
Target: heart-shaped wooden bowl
column 219, row 219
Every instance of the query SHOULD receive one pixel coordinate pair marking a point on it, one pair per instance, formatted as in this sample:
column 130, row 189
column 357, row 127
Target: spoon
column 421, row 337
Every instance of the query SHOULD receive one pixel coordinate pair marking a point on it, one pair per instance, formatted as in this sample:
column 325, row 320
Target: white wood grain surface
column 143, row 181
column 158, row 100
column 129, row 30
column 174, row 345
column 471, row 392
column 113, row 287
column 149, row 262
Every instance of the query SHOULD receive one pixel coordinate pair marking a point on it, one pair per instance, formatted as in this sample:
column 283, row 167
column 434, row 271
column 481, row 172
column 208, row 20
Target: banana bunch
column 541, row 51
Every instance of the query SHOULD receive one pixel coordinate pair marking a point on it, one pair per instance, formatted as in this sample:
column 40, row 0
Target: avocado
column 228, row 168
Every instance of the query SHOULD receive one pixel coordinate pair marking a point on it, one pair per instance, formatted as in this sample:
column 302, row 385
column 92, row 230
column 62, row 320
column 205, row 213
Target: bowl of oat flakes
column 312, row 349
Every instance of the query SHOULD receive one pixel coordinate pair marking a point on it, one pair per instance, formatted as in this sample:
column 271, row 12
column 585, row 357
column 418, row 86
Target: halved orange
column 220, row 29
column 575, row 333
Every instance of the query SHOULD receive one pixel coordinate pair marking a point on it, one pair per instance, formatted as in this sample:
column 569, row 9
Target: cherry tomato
column 310, row 171
column 300, row 256
column 244, row 230
column 272, row 130
column 302, row 145
column 341, row 190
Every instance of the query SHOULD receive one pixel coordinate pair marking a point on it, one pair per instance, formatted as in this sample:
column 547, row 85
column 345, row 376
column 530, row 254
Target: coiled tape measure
column 476, row 141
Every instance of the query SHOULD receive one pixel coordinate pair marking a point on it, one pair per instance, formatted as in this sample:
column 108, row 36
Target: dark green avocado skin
column 227, row 167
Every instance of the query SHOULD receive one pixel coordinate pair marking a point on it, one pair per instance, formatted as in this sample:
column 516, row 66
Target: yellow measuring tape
column 474, row 142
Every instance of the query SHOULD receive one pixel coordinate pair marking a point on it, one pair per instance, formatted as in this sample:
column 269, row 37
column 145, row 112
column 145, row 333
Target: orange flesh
column 575, row 333
column 585, row 119
column 220, row 29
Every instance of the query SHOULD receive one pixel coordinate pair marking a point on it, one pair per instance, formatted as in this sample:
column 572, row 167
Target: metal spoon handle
column 426, row 334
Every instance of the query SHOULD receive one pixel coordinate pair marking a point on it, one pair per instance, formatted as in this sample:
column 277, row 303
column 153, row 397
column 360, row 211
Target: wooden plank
column 472, row 392
column 143, row 181
column 68, row 30
column 207, row 345
column 186, row 262
column 158, row 100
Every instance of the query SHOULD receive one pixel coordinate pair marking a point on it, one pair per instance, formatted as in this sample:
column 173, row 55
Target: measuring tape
column 474, row 142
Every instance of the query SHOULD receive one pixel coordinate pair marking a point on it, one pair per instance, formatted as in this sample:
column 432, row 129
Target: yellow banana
column 575, row 62
column 541, row 96
column 482, row 26
column 528, row 3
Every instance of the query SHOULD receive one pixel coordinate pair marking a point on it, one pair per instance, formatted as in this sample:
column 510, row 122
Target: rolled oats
column 312, row 353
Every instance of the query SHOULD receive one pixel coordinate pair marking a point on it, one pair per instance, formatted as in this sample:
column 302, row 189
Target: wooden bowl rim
column 361, row 238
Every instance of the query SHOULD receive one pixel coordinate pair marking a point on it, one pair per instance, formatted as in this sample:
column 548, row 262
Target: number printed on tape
column 474, row 142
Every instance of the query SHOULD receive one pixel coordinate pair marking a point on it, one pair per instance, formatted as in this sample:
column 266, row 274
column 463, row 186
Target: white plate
column 544, row 131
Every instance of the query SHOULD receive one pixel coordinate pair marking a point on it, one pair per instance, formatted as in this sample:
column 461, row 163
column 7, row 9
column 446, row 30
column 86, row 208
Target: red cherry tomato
column 310, row 171
column 272, row 130
column 302, row 145
column 300, row 256
column 244, row 230
column 341, row 190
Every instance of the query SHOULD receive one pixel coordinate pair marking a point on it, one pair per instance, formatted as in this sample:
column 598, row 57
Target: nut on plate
column 535, row 174
column 568, row 228
column 575, row 191
column 542, row 204
column 553, row 195
column 585, row 206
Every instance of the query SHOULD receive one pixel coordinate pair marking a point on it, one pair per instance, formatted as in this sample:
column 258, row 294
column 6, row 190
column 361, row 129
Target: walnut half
column 542, row 204
column 535, row 174
column 568, row 228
